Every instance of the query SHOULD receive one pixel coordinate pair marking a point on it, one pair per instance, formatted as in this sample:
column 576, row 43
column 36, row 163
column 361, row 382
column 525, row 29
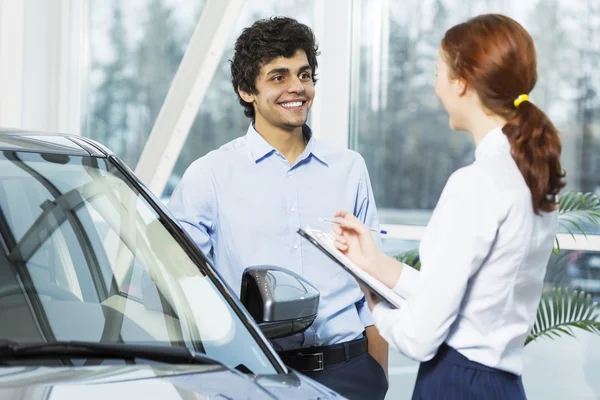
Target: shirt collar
column 494, row 142
column 260, row 148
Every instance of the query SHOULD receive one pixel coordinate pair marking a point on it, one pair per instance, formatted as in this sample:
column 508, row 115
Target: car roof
column 44, row 142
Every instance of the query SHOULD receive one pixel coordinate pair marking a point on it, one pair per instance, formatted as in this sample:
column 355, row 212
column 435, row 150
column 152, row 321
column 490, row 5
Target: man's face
column 285, row 92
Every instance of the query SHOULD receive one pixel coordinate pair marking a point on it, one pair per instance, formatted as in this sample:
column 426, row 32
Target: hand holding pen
column 354, row 239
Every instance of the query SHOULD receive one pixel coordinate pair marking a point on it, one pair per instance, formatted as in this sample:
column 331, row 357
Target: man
column 245, row 201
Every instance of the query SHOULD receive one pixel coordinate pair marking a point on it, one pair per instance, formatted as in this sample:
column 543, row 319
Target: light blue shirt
column 244, row 203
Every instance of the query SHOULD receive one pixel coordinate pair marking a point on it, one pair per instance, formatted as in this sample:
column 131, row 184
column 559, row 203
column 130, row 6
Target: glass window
column 135, row 48
column 83, row 244
column 221, row 118
column 400, row 127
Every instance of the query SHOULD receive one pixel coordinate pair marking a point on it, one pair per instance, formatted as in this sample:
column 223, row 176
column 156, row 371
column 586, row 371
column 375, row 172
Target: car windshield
column 86, row 258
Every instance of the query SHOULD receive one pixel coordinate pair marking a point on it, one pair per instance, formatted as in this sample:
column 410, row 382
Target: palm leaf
column 556, row 248
column 562, row 311
column 410, row 257
column 576, row 210
column 572, row 201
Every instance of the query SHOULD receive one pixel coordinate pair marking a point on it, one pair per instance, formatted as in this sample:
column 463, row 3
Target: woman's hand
column 355, row 240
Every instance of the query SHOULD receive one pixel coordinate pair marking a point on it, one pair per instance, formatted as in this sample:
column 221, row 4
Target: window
column 400, row 127
column 135, row 49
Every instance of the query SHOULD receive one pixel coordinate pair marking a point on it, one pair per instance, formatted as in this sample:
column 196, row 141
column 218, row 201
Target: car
column 580, row 268
column 583, row 268
column 103, row 295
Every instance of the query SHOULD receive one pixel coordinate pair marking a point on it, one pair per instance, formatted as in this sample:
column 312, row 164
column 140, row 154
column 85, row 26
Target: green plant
column 576, row 209
column 563, row 310
column 560, row 310
column 410, row 257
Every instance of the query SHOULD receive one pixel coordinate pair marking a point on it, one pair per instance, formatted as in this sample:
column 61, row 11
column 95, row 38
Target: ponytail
column 536, row 148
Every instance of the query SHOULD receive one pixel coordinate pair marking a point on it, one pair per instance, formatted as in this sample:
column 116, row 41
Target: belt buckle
column 319, row 361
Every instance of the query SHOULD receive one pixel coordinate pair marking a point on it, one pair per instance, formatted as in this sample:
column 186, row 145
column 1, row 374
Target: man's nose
column 296, row 86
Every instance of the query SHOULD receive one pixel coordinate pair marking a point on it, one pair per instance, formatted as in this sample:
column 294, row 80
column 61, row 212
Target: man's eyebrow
column 285, row 70
column 278, row 71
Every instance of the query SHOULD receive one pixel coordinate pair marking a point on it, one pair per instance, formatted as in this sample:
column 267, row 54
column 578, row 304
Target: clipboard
column 324, row 242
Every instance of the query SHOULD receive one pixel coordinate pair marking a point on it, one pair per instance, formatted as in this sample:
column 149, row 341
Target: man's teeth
column 292, row 104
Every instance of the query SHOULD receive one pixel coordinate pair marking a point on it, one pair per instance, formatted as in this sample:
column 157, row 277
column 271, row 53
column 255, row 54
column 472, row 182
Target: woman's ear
column 460, row 86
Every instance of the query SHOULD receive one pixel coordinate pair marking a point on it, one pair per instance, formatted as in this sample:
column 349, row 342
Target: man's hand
column 372, row 301
column 378, row 348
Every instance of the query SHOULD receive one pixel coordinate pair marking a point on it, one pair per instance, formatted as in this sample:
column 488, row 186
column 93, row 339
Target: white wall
column 42, row 52
column 11, row 62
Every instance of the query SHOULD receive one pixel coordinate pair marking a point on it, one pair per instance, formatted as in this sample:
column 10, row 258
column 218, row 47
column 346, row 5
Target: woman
column 468, row 311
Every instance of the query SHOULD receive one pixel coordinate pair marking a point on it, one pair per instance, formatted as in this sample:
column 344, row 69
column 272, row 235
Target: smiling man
column 244, row 202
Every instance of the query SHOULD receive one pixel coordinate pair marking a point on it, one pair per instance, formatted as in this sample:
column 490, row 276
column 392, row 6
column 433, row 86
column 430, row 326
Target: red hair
column 496, row 56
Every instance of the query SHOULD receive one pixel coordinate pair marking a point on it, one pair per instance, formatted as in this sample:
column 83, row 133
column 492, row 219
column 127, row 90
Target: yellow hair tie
column 521, row 99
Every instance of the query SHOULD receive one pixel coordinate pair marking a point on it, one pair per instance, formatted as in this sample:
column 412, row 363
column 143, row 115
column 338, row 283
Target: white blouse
column 483, row 256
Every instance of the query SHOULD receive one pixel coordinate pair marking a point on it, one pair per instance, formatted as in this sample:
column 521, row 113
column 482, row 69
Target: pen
column 333, row 221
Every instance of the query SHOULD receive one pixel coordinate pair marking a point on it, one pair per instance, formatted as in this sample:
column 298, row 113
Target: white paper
column 327, row 241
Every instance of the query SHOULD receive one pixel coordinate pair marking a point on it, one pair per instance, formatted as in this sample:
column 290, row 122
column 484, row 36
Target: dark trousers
column 452, row 376
column 360, row 378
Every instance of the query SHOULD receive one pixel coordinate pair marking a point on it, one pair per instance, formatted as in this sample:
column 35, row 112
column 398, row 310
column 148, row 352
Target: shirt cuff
column 364, row 313
column 407, row 283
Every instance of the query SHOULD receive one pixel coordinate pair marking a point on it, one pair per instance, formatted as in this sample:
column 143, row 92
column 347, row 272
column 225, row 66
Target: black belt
column 318, row 358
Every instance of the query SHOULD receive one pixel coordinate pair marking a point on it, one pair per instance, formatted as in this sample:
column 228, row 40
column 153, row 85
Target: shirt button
column 293, row 209
column 289, row 173
column 295, row 247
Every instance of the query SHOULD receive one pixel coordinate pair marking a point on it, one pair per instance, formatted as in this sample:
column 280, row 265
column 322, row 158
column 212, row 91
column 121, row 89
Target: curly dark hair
column 263, row 42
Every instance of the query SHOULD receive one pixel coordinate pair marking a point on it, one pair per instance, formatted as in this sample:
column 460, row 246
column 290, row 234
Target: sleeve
column 366, row 212
column 193, row 204
column 408, row 281
column 458, row 238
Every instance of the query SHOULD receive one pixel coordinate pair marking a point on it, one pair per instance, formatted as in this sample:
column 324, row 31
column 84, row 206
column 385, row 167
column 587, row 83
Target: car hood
column 153, row 381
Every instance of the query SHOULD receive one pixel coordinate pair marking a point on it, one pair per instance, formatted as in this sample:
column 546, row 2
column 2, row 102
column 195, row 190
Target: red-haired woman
column 483, row 256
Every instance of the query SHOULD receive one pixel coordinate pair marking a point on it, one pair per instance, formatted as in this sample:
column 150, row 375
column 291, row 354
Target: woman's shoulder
column 462, row 187
column 498, row 174
column 477, row 185
column 493, row 186
column 466, row 179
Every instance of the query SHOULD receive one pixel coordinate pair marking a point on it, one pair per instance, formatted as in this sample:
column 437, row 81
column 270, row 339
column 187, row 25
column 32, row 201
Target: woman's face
column 450, row 91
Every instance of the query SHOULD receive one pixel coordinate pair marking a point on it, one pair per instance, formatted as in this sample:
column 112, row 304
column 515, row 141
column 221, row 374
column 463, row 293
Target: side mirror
column 280, row 301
